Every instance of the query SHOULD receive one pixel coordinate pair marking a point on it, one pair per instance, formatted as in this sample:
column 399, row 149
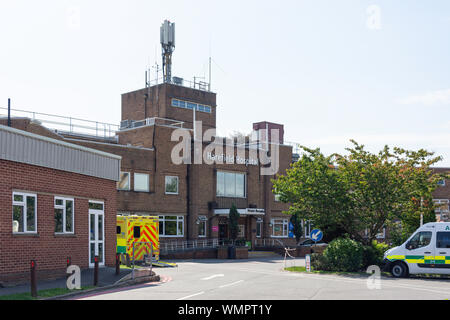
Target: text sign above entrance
column 232, row 159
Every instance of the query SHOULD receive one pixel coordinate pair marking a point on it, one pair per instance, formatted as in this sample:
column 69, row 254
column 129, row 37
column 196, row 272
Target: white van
column 426, row 251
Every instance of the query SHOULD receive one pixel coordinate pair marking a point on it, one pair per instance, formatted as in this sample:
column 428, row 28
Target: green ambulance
column 426, row 251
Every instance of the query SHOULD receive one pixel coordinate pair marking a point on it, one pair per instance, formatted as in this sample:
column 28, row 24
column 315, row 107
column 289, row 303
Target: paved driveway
column 264, row 279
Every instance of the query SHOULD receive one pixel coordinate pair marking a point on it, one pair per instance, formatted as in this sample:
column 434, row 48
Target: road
column 264, row 279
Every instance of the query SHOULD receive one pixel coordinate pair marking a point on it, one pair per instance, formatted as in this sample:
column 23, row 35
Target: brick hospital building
column 192, row 200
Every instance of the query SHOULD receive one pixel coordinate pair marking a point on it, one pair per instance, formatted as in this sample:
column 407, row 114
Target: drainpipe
column 9, row 112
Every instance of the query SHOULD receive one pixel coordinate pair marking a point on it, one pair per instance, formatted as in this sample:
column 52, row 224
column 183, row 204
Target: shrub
column 319, row 262
column 344, row 255
column 373, row 254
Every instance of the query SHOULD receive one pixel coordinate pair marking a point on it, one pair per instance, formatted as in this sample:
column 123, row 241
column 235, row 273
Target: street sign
column 316, row 235
column 291, row 230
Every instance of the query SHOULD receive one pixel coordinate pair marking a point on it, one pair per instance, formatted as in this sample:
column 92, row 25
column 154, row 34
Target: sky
column 329, row 71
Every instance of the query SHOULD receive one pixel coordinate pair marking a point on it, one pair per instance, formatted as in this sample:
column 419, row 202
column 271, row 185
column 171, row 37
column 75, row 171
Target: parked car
column 309, row 243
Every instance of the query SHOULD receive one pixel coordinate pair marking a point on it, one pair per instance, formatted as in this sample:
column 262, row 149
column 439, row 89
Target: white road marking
column 192, row 295
column 231, row 284
column 214, row 276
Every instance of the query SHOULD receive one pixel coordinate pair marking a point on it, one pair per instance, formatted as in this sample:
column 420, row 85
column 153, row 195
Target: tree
column 233, row 221
column 361, row 193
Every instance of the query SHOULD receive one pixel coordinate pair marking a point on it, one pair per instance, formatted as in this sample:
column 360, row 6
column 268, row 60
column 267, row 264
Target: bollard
column 33, row 279
column 117, row 264
column 95, row 271
column 128, row 260
column 68, row 263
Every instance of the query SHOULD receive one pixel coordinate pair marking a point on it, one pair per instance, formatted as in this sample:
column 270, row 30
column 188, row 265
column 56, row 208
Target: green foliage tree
column 361, row 192
column 233, row 222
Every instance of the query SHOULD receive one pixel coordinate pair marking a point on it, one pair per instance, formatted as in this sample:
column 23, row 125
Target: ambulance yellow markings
column 421, row 259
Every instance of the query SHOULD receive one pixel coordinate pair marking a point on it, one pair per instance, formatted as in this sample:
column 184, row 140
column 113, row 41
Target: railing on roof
column 198, row 85
column 132, row 124
column 67, row 125
column 295, row 147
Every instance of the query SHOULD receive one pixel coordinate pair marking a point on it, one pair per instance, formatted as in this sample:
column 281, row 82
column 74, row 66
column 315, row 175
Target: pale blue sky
column 328, row 70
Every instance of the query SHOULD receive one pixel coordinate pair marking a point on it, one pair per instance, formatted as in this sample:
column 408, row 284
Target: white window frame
column 307, row 228
column 63, row 207
column 129, row 181
column 178, row 220
column 441, row 183
column 259, row 223
column 96, row 241
column 202, row 220
column 165, row 185
column 241, row 231
column 441, row 202
column 224, row 195
column 23, row 204
column 148, row 182
column 284, row 226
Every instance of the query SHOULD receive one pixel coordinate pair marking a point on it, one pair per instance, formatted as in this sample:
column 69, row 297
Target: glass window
column 202, row 227
column 124, row 181
column 443, row 240
column 137, row 232
column 95, row 205
column 64, row 215
column 280, row 228
column 171, row 185
column 420, row 239
column 24, row 213
column 171, row 226
column 259, row 229
column 442, row 205
column 240, row 185
column 221, row 183
column 241, row 232
column 141, row 182
column 174, row 103
column 231, row 184
column 191, row 106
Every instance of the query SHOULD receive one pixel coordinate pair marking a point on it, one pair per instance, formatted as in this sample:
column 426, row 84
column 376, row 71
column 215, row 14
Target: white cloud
column 429, row 98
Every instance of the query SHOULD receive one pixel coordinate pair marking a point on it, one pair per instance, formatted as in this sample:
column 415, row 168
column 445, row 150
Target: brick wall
column 49, row 250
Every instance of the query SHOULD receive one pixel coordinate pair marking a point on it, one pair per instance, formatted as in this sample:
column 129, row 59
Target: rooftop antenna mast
column 167, row 37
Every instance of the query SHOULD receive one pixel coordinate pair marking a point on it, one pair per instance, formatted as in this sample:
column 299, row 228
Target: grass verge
column 48, row 293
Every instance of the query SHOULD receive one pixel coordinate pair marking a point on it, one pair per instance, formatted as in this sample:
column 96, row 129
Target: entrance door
column 96, row 233
column 223, row 231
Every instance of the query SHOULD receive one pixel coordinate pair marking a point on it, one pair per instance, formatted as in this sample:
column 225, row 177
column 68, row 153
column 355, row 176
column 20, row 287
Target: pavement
column 106, row 277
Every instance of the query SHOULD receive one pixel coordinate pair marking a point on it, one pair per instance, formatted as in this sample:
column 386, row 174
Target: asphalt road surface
column 265, row 279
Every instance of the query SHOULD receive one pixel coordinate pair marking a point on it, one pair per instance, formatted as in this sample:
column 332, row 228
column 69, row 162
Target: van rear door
column 442, row 258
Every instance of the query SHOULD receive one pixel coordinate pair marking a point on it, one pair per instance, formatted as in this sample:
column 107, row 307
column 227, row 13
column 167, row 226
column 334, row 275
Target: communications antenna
column 167, row 37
